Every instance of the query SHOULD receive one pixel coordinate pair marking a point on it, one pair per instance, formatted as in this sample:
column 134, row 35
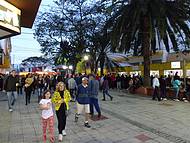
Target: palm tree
column 67, row 54
column 139, row 25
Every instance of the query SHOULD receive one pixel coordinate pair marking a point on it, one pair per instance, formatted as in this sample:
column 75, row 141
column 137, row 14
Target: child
column 47, row 115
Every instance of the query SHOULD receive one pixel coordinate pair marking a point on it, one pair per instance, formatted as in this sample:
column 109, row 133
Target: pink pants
column 48, row 122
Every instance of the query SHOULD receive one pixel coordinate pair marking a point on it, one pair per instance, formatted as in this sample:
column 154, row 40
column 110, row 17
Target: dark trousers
column 105, row 92
column 40, row 92
column 61, row 118
column 163, row 92
column 156, row 93
column 28, row 95
column 19, row 90
column 94, row 103
column 72, row 92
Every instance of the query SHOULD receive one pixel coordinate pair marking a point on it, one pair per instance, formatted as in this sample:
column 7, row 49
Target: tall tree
column 140, row 24
column 70, row 21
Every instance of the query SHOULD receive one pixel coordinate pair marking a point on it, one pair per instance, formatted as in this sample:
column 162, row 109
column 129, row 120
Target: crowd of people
column 82, row 89
column 58, row 90
column 179, row 87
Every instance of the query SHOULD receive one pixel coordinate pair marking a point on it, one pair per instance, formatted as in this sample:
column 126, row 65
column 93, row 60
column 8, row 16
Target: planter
column 149, row 91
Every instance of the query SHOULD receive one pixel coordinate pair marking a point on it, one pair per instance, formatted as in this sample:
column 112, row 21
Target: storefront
column 9, row 20
column 14, row 14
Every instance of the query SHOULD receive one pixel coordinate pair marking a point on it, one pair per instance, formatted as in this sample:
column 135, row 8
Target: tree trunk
column 74, row 68
column 146, row 51
column 102, row 60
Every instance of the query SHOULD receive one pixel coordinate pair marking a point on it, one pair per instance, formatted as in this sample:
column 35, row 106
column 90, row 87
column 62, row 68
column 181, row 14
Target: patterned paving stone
column 96, row 118
column 126, row 118
column 143, row 137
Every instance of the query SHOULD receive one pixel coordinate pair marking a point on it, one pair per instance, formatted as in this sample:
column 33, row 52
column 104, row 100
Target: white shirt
column 46, row 113
column 155, row 82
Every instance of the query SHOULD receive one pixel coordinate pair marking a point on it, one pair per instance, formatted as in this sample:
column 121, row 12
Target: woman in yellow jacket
column 61, row 100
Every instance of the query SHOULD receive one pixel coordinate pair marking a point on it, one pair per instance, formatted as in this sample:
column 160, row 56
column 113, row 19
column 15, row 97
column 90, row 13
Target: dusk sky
column 24, row 45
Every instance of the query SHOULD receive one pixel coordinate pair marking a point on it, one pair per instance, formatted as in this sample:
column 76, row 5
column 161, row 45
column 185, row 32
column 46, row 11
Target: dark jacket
column 82, row 95
column 10, row 83
column 105, row 85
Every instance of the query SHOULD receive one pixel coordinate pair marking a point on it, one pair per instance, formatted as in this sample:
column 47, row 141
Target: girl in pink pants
column 47, row 116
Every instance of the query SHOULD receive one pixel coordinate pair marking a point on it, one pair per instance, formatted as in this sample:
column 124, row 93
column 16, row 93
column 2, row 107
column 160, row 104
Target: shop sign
column 9, row 16
column 175, row 65
column 135, row 68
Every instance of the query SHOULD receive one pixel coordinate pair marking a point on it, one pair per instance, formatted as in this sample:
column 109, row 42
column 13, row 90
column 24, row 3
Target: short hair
column 92, row 75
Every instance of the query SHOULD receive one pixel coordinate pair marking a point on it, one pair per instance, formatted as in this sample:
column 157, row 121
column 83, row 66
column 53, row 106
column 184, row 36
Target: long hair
column 59, row 84
column 44, row 93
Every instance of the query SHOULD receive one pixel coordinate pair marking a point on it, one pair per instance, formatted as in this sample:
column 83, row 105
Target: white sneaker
column 186, row 101
column 10, row 110
column 64, row 133
column 60, row 137
column 164, row 99
column 176, row 99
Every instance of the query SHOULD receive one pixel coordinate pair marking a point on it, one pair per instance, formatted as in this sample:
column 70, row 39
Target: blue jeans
column 176, row 93
column 12, row 96
column 94, row 103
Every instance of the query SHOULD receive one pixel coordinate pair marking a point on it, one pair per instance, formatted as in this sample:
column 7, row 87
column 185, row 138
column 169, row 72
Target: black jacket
column 10, row 83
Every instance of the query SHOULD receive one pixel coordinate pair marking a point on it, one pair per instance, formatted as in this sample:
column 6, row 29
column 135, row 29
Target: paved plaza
column 128, row 119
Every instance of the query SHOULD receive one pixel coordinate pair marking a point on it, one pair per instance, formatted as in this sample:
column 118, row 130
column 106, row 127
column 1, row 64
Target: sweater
column 82, row 95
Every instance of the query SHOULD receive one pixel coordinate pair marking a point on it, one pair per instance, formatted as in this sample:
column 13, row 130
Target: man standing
column 93, row 87
column 10, row 87
column 83, row 101
column 156, row 85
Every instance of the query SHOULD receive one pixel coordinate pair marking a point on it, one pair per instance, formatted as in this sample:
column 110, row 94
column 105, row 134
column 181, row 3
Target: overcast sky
column 25, row 45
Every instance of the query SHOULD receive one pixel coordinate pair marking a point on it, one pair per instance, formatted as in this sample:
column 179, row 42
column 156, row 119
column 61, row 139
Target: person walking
column 40, row 87
column 10, row 84
column 47, row 116
column 163, row 88
column 93, row 87
column 156, row 85
column 72, row 86
column 105, row 88
column 61, row 100
column 83, row 102
column 118, row 80
column 28, row 88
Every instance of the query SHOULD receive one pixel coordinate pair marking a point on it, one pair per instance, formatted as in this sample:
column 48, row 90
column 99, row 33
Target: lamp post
column 85, row 59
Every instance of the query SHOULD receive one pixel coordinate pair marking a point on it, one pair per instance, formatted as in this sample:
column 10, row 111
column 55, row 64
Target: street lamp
column 85, row 59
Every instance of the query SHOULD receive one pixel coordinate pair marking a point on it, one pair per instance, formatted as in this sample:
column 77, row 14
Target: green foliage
column 140, row 26
column 71, row 21
column 166, row 20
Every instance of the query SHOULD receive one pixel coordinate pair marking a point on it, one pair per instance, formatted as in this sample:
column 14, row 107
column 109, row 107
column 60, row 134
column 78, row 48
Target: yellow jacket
column 57, row 97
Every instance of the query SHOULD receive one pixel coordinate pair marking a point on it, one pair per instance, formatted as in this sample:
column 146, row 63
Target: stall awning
column 119, row 59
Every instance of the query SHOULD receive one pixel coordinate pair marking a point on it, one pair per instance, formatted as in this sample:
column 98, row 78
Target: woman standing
column 176, row 86
column 61, row 100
